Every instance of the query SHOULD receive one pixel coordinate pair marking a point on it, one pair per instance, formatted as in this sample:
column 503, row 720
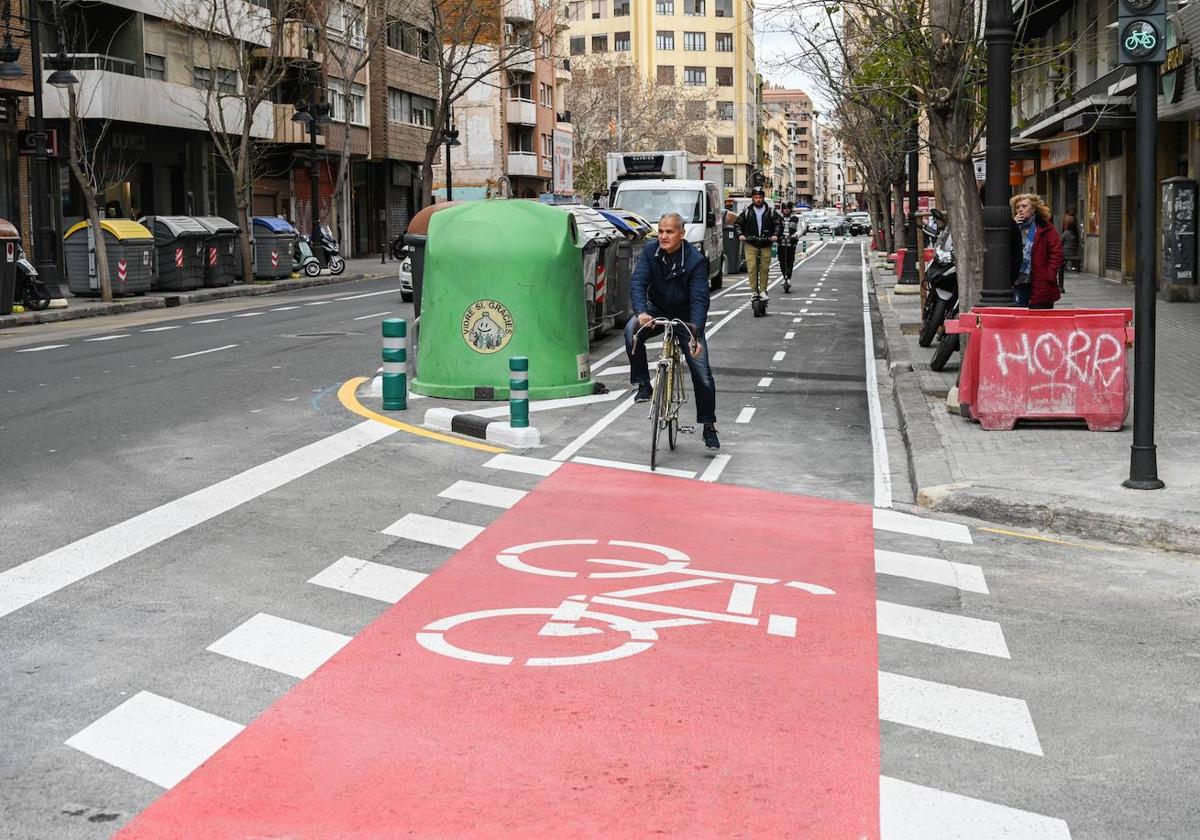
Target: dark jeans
column 703, row 385
column 1021, row 294
column 787, row 259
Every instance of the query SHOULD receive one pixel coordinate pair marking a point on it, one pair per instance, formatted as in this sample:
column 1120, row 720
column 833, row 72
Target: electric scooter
column 305, row 258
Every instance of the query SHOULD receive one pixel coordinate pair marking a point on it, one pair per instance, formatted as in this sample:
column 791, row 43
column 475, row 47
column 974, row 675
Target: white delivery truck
column 653, row 183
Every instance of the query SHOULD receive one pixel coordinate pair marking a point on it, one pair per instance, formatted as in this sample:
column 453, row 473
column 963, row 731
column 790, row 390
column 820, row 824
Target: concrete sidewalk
column 366, row 268
column 1054, row 476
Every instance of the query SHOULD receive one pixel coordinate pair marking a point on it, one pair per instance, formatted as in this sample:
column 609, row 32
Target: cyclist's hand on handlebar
column 695, row 349
column 644, row 319
column 742, row 238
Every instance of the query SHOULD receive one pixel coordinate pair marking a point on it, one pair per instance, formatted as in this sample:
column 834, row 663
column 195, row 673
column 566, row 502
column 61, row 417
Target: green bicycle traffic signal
column 1142, row 31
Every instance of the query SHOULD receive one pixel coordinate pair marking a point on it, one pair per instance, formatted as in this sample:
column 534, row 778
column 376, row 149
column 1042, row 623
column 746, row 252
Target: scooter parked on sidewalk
column 946, row 347
column 941, row 278
column 305, row 257
column 30, row 291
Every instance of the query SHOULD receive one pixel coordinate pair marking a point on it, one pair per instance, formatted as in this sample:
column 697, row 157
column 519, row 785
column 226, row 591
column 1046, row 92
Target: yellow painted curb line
column 348, row 398
column 1040, row 538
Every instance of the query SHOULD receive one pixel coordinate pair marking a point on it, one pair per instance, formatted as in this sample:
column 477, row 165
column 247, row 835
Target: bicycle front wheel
column 657, row 407
column 672, row 403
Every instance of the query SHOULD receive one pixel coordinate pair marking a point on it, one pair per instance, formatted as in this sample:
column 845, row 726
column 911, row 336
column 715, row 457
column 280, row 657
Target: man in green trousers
column 758, row 227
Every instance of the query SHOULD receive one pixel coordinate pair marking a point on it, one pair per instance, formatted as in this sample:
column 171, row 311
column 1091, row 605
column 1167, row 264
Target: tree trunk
column 966, row 221
column 106, row 294
column 244, row 240
column 899, row 220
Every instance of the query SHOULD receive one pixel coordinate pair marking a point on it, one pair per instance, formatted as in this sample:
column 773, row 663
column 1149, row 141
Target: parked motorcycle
column 305, row 257
column 30, row 291
column 941, row 278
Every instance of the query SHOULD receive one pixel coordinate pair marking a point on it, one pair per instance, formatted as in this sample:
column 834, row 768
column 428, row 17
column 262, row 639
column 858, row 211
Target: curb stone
column 168, row 300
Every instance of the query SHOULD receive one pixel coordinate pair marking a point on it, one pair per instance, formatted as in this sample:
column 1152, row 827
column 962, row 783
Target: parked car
column 406, row 280
column 833, row 225
column 859, row 223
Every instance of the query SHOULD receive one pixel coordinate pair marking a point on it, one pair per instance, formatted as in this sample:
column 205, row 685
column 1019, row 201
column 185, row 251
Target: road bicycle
column 670, row 393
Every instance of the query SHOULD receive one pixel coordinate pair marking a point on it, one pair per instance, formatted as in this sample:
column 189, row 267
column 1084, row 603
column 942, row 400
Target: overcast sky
column 773, row 47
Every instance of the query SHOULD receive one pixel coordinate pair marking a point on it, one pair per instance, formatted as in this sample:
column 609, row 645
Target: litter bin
column 598, row 240
column 735, row 255
column 1045, row 364
column 415, row 238
column 8, row 265
column 130, row 248
column 178, row 252
column 636, row 230
column 274, row 245
column 222, row 251
column 511, row 292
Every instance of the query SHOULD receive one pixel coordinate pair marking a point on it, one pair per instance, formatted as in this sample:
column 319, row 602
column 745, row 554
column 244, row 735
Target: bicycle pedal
column 687, row 430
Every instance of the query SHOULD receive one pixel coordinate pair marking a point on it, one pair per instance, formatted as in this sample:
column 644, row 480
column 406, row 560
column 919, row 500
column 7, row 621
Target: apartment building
column 702, row 44
column 778, row 160
column 797, row 108
column 508, row 122
column 14, row 110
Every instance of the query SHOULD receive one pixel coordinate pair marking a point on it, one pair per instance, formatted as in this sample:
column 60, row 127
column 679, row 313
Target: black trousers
column 787, row 259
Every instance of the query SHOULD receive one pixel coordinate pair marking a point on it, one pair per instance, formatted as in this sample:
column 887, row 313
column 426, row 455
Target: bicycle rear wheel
column 656, row 412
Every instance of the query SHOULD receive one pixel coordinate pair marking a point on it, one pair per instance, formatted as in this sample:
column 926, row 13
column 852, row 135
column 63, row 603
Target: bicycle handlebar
column 664, row 322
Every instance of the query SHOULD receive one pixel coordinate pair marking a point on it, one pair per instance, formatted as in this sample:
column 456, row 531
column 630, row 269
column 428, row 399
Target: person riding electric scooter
column 789, row 237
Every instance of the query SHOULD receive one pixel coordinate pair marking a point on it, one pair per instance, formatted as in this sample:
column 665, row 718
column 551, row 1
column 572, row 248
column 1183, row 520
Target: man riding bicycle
column 671, row 281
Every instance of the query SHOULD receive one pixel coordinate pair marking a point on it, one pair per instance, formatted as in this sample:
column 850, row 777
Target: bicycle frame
column 670, row 392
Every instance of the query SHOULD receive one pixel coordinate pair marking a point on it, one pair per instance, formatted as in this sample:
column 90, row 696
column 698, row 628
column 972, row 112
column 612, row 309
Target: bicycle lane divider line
column 43, row 576
column 883, row 475
column 498, row 692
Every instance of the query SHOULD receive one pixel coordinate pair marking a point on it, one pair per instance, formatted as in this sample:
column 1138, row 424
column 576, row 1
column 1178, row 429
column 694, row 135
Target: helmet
column 758, row 191
column 787, row 205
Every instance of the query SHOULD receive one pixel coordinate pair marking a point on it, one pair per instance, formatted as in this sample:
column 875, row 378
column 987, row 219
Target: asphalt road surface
column 227, row 595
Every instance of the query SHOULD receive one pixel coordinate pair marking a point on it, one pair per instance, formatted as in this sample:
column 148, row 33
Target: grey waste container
column 178, row 250
column 735, row 257
column 130, row 248
column 598, row 242
column 274, row 242
column 416, row 237
column 222, row 251
column 8, row 265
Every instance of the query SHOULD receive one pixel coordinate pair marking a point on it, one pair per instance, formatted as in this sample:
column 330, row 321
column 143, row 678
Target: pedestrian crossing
column 161, row 739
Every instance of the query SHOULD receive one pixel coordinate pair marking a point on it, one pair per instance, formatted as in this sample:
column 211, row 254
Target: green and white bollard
column 804, row 246
column 395, row 364
column 518, row 392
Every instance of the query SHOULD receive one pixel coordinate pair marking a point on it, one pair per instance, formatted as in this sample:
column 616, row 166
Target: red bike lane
column 619, row 654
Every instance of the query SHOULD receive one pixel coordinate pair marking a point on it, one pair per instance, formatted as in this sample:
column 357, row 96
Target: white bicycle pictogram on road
column 574, row 616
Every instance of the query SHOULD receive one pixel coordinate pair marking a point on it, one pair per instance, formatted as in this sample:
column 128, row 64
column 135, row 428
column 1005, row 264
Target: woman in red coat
column 1041, row 254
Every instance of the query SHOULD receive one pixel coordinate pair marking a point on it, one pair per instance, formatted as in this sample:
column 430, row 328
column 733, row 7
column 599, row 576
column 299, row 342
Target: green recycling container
column 502, row 280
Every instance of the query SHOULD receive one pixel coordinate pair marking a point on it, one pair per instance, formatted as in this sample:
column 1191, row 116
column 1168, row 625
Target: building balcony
column 523, row 164
column 520, row 11
column 295, row 43
column 288, row 130
column 562, row 70
column 522, row 112
column 109, row 89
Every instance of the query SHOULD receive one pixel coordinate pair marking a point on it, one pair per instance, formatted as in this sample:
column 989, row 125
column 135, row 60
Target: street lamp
column 997, row 215
column 313, row 114
column 908, row 275
column 450, row 138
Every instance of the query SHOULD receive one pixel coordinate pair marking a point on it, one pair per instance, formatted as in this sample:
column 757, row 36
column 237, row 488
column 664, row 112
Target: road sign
column 1142, row 31
column 705, row 665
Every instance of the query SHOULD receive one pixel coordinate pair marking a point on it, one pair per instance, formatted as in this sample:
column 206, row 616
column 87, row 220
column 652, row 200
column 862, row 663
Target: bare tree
column 615, row 108
column 239, row 57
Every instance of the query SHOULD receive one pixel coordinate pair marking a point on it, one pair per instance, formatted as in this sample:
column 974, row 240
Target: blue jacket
column 679, row 293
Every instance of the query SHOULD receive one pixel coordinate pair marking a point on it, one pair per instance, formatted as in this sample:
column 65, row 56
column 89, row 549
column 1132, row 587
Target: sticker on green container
column 487, row 326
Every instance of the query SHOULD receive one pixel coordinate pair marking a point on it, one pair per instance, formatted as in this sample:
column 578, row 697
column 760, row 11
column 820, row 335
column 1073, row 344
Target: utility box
column 274, row 245
column 1179, row 240
column 222, row 251
column 501, row 279
column 179, row 252
column 598, row 240
column 130, row 249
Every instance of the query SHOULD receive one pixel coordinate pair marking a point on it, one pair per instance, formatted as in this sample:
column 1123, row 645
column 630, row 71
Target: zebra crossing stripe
column 909, row 811
column 957, row 632
column 964, row 576
column 433, row 531
column 918, row 526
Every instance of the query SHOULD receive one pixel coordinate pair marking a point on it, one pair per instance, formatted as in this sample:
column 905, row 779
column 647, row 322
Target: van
column 699, row 202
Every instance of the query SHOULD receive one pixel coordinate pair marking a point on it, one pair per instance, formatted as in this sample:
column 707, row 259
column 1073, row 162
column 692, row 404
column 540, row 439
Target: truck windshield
column 653, row 203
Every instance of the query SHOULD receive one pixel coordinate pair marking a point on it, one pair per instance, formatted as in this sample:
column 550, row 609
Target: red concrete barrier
column 899, row 256
column 1045, row 364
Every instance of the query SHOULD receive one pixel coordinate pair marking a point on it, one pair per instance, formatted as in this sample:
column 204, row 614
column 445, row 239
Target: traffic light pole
column 1143, row 458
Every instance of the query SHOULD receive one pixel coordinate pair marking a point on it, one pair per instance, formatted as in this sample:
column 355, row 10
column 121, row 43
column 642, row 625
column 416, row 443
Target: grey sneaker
column 644, row 392
column 710, row 436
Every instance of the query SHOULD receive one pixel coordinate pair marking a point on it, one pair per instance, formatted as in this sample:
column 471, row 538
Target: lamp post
column 908, row 275
column 997, row 215
column 312, row 114
column 450, row 138
column 45, row 242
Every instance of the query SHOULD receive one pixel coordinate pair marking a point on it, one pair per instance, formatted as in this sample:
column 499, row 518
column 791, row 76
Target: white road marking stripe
column 957, row 632
column 314, row 303
column 918, row 526
column 278, row 644
column 964, row 576
column 781, row 625
column 883, row 475
column 483, row 494
column 765, row 382
column 745, row 414
column 625, row 465
column 961, row 712
column 108, row 337
column 549, row 405
column 369, row 579
column 370, row 294
column 593, row 430
column 247, row 314
column 43, row 347
column 372, row 315
column 522, row 464
column 45, row 575
column 718, row 312
column 433, row 531
column 914, row 812
column 789, row 335
column 778, row 357
column 159, row 740
column 210, row 320
column 202, row 352
column 614, row 370
column 284, row 308
column 162, row 329
column 741, row 598
column 717, row 466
